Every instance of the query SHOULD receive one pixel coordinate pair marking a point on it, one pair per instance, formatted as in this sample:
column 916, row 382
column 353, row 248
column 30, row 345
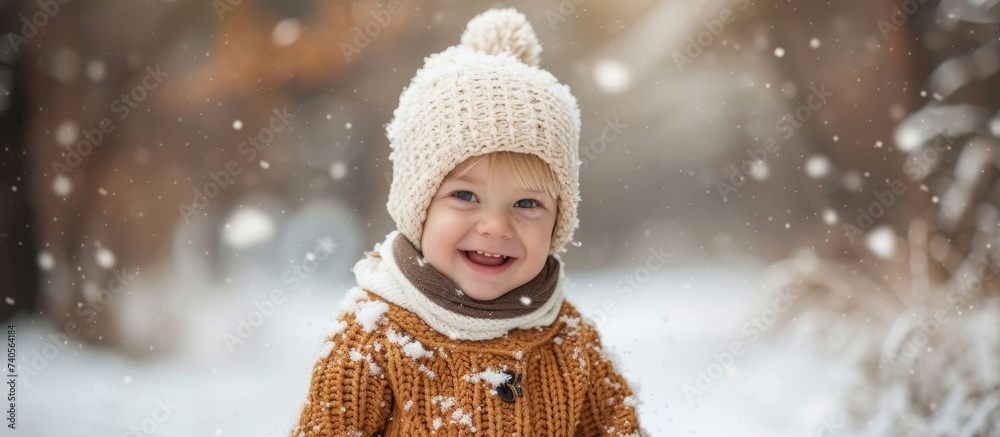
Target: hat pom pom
column 500, row 30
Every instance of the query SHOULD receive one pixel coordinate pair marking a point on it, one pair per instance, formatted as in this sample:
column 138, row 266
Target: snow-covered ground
column 668, row 330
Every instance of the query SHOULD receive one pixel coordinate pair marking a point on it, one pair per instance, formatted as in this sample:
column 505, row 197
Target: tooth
column 479, row 252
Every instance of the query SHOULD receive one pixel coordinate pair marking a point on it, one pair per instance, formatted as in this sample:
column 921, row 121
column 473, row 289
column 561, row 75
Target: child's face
column 465, row 216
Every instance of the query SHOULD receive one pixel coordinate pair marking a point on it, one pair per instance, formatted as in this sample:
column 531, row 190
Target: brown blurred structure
column 188, row 80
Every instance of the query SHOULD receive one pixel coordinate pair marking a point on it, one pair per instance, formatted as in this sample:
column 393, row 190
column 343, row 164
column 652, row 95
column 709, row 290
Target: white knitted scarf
column 381, row 276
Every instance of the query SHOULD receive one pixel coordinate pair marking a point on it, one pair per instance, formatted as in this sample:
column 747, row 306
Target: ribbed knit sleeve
column 349, row 393
column 609, row 407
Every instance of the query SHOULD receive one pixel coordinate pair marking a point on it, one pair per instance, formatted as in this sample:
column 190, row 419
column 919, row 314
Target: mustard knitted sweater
column 385, row 371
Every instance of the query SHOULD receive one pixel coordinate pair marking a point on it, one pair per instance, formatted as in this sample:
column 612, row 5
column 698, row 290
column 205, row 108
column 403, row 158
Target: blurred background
column 790, row 218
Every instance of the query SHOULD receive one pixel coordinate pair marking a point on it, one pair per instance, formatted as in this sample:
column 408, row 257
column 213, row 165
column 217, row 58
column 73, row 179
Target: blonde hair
column 526, row 171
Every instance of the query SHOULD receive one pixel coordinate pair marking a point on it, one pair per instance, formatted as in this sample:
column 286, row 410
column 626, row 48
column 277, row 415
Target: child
column 458, row 324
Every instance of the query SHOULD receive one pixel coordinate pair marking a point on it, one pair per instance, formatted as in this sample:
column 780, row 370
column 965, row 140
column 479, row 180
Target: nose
column 495, row 224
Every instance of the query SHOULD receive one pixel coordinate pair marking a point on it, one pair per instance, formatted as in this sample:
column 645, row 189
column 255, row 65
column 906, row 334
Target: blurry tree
column 120, row 116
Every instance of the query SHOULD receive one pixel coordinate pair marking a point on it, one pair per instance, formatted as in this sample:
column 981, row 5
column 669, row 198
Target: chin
column 489, row 294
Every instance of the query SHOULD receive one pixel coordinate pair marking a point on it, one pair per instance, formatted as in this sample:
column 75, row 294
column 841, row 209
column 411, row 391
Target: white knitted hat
column 485, row 95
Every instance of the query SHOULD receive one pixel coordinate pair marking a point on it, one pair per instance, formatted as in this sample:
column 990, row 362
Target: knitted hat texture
column 484, row 95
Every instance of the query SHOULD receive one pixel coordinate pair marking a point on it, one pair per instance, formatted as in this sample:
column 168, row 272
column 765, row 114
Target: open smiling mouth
column 485, row 262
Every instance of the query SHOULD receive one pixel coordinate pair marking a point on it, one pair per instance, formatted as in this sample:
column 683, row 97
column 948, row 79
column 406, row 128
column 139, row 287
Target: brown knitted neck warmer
column 442, row 291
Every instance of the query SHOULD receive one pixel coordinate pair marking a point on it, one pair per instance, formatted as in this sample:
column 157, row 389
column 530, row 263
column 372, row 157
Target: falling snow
column 612, row 77
column 286, row 32
column 338, row 170
column 66, row 133
column 62, row 186
column 105, row 258
column 817, row 166
column 247, row 227
column 46, row 261
column 881, row 241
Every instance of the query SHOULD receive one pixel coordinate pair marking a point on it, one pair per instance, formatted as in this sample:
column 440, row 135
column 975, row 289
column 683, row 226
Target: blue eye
column 465, row 195
column 529, row 205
